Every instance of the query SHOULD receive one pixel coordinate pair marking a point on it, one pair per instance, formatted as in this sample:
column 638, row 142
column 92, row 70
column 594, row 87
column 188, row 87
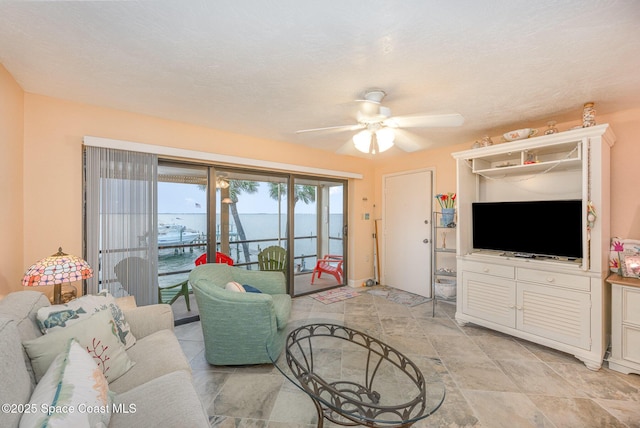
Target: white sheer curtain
column 121, row 222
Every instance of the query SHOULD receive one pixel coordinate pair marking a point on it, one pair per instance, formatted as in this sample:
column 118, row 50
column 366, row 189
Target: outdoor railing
column 238, row 250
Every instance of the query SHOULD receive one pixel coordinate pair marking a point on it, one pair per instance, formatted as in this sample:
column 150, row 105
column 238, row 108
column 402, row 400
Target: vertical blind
column 121, row 222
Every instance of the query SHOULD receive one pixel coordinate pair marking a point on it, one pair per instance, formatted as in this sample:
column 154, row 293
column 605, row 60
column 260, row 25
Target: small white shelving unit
column 443, row 259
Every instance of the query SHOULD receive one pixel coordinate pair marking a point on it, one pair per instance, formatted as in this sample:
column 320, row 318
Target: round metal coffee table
column 356, row 379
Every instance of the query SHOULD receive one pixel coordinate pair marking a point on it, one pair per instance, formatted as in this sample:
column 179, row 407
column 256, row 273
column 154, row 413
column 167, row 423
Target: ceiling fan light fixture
column 385, row 137
column 374, row 142
column 362, row 141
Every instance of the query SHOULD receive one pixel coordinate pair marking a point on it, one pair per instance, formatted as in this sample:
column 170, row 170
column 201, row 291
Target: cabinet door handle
column 519, row 308
column 426, row 241
column 485, row 270
column 550, row 279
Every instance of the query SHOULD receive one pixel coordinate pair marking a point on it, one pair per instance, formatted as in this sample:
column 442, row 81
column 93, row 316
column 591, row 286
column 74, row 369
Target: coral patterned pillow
column 73, row 381
column 97, row 335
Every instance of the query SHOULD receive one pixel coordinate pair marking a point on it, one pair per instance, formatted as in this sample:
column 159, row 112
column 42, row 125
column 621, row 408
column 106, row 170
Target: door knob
column 426, row 241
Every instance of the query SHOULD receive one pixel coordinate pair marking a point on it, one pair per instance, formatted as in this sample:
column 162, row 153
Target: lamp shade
column 366, row 142
column 362, row 141
column 385, row 137
column 57, row 269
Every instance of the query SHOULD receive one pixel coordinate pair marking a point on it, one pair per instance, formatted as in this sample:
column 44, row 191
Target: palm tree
column 303, row 192
column 236, row 187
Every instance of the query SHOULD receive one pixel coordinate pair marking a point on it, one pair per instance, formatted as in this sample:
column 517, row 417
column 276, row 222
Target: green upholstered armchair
column 237, row 326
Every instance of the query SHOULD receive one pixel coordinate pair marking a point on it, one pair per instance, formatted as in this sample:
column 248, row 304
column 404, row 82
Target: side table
column 625, row 324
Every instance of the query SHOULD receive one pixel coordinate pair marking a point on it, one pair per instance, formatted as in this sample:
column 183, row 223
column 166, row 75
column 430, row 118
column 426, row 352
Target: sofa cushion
column 22, row 307
column 97, row 335
column 154, row 355
column 167, row 401
column 16, row 382
column 282, row 307
column 55, row 317
column 73, row 381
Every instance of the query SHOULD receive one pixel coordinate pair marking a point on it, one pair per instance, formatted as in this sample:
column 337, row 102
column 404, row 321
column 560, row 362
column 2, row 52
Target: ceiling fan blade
column 333, row 128
column 427, row 121
column 407, row 141
column 348, row 149
column 368, row 101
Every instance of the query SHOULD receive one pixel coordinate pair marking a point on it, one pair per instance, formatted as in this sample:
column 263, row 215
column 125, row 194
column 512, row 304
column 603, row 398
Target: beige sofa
column 159, row 384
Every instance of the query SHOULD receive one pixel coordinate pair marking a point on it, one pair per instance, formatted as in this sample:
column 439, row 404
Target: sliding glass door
column 319, row 239
column 182, row 233
column 251, row 215
column 209, row 214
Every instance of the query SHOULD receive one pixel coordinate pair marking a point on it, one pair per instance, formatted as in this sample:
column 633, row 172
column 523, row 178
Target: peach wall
column 625, row 161
column 53, row 142
column 11, row 184
column 52, row 139
column 625, row 164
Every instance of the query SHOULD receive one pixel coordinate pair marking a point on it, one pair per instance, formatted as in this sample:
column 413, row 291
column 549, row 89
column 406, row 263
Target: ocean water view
column 257, row 227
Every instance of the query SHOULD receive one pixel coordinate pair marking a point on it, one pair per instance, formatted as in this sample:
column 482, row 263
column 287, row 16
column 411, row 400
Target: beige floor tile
column 504, row 348
column 538, row 378
column 491, row 379
column 506, row 410
column 603, row 383
column 242, row 396
column 627, row 412
column 460, row 347
column 575, row 412
column 479, row 375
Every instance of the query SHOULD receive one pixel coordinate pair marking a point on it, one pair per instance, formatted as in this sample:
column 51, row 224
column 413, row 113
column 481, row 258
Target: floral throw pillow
column 73, row 381
column 55, row 317
column 98, row 336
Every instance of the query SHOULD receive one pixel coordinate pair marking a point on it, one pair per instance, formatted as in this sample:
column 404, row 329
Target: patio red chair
column 220, row 258
column 331, row 264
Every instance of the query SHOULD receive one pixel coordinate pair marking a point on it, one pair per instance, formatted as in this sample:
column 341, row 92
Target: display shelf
column 452, row 274
column 529, row 160
column 443, row 261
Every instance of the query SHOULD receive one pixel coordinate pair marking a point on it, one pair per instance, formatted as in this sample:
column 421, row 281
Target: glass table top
column 354, row 377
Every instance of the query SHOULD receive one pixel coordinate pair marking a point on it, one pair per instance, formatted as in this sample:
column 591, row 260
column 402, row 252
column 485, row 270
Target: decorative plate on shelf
column 519, row 134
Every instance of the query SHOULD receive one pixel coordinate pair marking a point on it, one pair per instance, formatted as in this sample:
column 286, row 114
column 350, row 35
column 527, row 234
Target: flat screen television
column 529, row 228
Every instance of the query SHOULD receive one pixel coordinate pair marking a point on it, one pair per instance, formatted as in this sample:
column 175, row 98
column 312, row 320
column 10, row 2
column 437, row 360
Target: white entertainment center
column 561, row 303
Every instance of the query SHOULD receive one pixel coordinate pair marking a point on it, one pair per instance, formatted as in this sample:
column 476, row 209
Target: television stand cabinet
column 561, row 304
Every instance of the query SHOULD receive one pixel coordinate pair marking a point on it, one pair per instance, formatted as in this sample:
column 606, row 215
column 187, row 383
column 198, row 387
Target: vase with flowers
column 447, row 203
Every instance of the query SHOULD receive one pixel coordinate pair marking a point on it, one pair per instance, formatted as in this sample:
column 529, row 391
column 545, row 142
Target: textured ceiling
column 269, row 68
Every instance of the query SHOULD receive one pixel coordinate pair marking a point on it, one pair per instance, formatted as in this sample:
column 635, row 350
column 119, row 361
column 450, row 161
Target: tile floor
column 492, row 380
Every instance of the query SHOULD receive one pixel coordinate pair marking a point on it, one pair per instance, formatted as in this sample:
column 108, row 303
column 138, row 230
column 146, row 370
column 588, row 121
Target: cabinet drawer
column 582, row 283
column 631, row 306
column 631, row 344
column 489, row 269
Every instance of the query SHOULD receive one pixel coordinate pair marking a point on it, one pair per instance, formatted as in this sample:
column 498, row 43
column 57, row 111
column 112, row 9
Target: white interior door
column 407, row 225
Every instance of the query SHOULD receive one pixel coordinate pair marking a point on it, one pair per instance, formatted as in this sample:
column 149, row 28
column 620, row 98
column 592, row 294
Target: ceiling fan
column 378, row 129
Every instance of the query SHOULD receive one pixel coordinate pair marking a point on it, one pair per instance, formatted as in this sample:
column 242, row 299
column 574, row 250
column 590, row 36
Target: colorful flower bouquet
column 447, row 200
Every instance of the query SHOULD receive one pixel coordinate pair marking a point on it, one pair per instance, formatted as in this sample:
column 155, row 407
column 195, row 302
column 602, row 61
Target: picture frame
column 630, row 265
